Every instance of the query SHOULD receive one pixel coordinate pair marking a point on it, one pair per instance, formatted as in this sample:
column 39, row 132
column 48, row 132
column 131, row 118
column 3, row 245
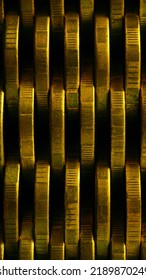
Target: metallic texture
column 72, row 129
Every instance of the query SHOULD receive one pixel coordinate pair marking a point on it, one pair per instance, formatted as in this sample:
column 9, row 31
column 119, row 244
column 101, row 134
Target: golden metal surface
column 11, row 209
column 11, row 61
column 26, row 243
column 72, row 213
column 72, row 119
column 86, row 10
column 2, row 158
column 102, row 64
column 87, row 125
column 133, row 206
column 27, row 13
column 143, row 241
column 57, row 125
column 57, row 244
column 102, row 211
column 42, row 75
column 57, row 16
column 142, row 13
column 118, row 247
column 132, row 63
column 116, row 15
column 26, row 122
column 87, row 243
column 118, row 122
column 71, row 52
column 42, row 192
column 143, row 125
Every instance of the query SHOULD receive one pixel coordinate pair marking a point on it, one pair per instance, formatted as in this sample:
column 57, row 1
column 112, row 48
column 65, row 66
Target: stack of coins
column 72, row 129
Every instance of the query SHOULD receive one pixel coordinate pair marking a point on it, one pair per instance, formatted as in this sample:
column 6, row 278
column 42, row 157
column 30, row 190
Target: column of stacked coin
column 72, row 129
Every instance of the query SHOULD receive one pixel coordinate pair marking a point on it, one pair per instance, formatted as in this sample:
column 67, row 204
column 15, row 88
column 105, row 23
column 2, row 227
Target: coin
column 11, row 209
column 42, row 190
column 71, row 52
column 133, row 206
column 102, row 211
column 132, row 63
column 72, row 200
column 87, row 125
column 57, row 125
column 27, row 12
column 26, row 122
column 42, row 75
column 11, row 39
column 26, row 243
column 118, row 125
column 2, row 158
column 87, row 243
column 57, row 245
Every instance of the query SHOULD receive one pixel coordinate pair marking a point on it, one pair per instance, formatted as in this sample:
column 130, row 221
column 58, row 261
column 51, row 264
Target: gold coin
column 87, row 244
column 117, row 110
column 57, row 125
column 102, row 64
column 57, row 15
column 2, row 250
column 2, row 160
column 72, row 201
column 26, row 243
column 57, row 245
column 116, row 15
column 118, row 247
column 72, row 67
column 143, row 242
column 143, row 125
column 87, row 124
column 86, row 10
column 133, row 206
column 11, row 60
column 42, row 37
column 11, row 208
column 26, row 122
column 102, row 211
column 72, row 102
column 42, row 190
column 142, row 13
column 27, row 13
column 133, row 64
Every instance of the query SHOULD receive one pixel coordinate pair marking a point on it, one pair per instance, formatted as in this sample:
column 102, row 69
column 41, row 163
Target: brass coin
column 133, row 64
column 118, row 125
column 72, row 63
column 11, row 209
column 87, row 125
column 57, row 245
column 72, row 200
column 42, row 75
column 102, row 210
column 87, row 243
column 2, row 158
column 42, row 190
column 133, row 206
column 11, row 39
column 57, row 125
column 26, row 243
column 118, row 247
column 57, row 16
column 86, row 10
column 27, row 13
column 26, row 122
column 102, row 64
